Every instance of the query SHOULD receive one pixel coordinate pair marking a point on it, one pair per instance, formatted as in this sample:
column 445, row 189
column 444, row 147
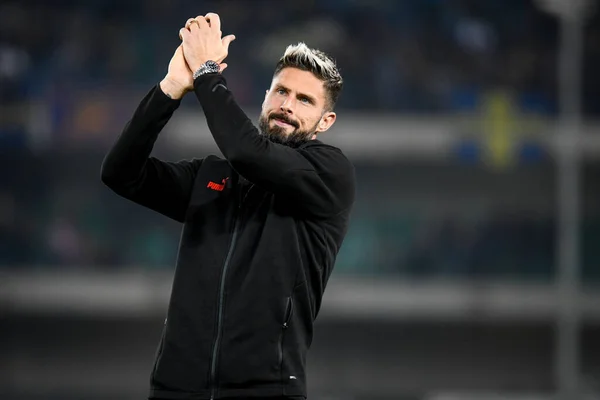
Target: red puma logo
column 216, row 186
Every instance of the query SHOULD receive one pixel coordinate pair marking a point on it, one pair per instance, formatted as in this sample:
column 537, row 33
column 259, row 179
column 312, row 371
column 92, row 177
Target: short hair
column 319, row 63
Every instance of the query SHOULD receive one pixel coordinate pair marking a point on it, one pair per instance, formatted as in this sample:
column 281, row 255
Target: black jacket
column 261, row 231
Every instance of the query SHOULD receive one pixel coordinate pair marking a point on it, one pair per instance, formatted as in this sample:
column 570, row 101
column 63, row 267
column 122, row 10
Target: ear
column 327, row 120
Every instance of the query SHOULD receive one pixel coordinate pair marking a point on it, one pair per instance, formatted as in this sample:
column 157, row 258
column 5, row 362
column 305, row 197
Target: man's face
column 294, row 108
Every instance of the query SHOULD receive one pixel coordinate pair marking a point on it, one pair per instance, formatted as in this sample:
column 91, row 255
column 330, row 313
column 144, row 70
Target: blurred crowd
column 71, row 71
column 413, row 56
column 66, row 65
column 62, row 216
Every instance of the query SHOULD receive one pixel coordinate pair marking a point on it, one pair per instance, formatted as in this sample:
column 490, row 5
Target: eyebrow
column 312, row 99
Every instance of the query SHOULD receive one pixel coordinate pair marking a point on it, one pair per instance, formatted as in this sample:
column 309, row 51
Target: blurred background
column 471, row 270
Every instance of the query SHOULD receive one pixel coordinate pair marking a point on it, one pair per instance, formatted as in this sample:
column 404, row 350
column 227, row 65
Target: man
column 261, row 228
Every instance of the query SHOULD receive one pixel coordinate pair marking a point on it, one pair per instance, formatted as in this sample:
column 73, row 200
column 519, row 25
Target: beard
column 277, row 134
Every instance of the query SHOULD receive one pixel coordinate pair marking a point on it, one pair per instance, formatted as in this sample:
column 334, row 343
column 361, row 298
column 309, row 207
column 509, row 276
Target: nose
column 287, row 106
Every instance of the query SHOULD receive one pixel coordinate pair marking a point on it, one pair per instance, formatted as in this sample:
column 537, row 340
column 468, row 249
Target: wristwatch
column 209, row 67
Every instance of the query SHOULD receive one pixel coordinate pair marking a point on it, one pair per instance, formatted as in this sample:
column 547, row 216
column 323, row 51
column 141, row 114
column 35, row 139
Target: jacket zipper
column 289, row 310
column 217, row 342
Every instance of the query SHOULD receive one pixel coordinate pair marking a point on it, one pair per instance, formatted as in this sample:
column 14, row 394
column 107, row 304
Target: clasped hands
column 201, row 41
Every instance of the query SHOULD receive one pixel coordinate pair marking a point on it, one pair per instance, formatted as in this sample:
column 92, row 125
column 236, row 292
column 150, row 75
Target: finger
column 183, row 33
column 193, row 25
column 214, row 21
column 189, row 22
column 202, row 24
column 222, row 67
column 226, row 41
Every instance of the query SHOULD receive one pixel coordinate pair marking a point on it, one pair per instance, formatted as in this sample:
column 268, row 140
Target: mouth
column 283, row 123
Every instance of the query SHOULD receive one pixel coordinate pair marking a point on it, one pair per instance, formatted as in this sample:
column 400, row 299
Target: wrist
column 196, row 64
column 172, row 89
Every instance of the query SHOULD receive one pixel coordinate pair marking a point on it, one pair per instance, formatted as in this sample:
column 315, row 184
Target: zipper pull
column 245, row 195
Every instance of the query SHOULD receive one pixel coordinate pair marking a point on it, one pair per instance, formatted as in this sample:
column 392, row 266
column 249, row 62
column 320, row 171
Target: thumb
column 227, row 40
column 222, row 67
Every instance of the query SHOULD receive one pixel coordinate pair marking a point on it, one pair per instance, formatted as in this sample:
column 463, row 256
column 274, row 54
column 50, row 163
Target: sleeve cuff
column 162, row 96
column 211, row 80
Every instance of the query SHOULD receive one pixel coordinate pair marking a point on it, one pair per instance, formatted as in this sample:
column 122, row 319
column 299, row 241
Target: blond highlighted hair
column 319, row 64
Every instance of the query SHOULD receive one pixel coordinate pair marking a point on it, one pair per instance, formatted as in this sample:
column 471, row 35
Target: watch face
column 212, row 66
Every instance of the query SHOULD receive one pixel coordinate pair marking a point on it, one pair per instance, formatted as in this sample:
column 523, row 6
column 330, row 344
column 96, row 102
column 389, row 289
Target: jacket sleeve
column 129, row 170
column 317, row 177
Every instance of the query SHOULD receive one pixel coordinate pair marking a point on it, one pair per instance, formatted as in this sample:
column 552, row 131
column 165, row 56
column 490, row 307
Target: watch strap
column 209, row 67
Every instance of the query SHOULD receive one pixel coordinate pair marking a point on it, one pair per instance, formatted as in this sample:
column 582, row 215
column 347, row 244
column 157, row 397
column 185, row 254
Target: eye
column 305, row 100
column 281, row 91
